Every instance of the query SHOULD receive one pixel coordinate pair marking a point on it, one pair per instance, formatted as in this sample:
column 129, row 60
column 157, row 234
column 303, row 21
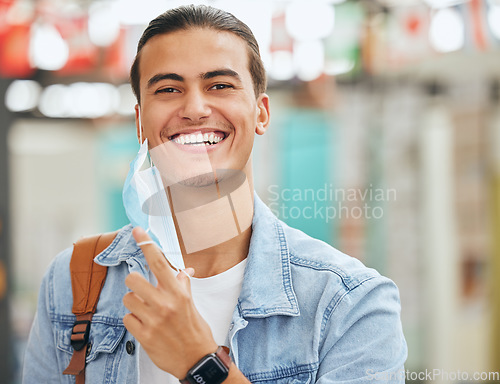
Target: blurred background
column 384, row 142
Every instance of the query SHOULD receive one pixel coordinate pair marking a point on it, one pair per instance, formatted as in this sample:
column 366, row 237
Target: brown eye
column 221, row 86
column 166, row 90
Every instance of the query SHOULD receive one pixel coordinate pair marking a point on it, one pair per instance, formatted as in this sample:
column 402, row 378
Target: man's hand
column 163, row 318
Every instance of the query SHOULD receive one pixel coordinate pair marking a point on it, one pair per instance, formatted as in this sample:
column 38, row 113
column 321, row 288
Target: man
column 288, row 307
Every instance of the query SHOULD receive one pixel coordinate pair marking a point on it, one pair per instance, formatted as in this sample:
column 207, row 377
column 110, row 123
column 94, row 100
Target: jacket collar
column 121, row 249
column 267, row 285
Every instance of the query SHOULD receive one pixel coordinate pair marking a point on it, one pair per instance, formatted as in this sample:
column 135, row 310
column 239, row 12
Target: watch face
column 210, row 371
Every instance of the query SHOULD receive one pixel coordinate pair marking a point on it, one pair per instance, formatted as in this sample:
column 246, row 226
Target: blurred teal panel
column 308, row 153
column 376, row 229
column 116, row 213
column 116, row 148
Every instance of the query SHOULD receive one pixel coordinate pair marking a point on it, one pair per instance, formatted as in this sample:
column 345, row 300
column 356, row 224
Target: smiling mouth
column 199, row 139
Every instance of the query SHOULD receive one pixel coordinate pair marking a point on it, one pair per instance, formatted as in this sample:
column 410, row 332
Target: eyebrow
column 164, row 76
column 205, row 76
column 220, row 72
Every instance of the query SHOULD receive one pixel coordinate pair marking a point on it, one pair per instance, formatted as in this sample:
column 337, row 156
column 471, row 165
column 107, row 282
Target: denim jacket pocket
column 276, row 378
column 104, row 337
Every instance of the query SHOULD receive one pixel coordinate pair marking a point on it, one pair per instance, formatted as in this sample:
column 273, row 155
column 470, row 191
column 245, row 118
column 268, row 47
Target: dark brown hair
column 201, row 16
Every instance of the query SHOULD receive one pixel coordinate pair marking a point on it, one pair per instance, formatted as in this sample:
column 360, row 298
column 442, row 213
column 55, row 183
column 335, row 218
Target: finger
column 136, row 306
column 143, row 289
column 133, row 324
column 155, row 258
column 184, row 277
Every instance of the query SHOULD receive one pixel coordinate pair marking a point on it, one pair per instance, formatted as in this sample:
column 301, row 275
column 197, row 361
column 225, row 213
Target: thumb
column 184, row 277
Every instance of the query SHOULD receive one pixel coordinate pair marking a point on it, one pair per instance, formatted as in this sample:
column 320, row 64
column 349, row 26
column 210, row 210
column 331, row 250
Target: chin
column 198, row 181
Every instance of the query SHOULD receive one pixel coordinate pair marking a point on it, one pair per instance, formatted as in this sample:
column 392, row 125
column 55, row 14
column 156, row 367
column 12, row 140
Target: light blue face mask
column 146, row 206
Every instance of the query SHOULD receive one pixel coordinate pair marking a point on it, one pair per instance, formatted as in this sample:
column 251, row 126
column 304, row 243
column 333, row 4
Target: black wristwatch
column 211, row 369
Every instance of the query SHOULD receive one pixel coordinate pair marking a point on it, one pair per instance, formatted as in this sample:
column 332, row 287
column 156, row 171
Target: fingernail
column 139, row 231
column 189, row 272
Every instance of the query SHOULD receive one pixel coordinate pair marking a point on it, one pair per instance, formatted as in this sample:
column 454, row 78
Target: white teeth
column 198, row 139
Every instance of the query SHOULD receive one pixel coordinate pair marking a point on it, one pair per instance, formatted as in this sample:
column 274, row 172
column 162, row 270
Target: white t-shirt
column 215, row 298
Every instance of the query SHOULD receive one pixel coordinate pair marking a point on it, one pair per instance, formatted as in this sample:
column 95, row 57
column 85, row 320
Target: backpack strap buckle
column 79, row 341
column 80, row 334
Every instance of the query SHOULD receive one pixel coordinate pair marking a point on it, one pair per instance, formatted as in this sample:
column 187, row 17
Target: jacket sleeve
column 363, row 337
column 40, row 360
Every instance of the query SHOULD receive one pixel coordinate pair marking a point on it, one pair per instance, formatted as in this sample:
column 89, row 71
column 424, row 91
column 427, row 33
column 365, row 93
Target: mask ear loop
column 140, row 124
column 140, row 135
column 148, row 230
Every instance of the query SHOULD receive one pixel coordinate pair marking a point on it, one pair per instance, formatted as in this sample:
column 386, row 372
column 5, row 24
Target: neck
column 219, row 258
column 213, row 221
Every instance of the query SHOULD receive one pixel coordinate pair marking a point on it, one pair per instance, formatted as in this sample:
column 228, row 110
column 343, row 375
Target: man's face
column 198, row 80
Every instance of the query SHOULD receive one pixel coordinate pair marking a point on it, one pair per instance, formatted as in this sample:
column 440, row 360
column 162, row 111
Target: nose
column 195, row 106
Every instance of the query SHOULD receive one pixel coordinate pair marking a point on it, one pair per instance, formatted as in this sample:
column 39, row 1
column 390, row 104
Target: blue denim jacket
column 306, row 313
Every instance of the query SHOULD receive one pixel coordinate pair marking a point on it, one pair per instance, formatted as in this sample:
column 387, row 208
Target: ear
column 138, row 123
column 263, row 114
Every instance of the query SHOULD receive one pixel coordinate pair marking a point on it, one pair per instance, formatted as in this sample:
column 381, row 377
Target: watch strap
column 222, row 354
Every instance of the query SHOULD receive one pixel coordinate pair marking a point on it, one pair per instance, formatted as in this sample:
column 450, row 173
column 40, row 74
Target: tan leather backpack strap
column 87, row 277
column 87, row 280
